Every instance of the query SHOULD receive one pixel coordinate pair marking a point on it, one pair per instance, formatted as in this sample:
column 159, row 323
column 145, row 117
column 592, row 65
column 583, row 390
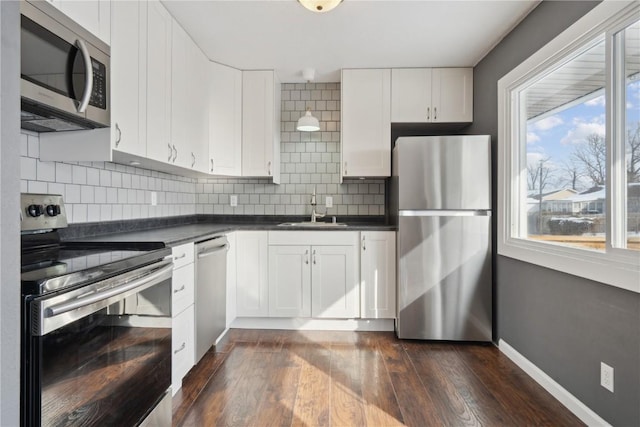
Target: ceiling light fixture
column 308, row 123
column 319, row 6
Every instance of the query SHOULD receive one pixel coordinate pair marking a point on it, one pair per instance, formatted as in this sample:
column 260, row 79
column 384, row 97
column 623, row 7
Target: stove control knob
column 35, row 210
column 53, row 210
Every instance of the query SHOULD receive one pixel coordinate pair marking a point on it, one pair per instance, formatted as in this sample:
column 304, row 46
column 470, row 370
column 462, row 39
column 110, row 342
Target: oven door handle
column 162, row 273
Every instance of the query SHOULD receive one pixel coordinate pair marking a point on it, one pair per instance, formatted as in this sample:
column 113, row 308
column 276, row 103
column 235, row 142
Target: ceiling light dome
column 320, row 6
column 308, row 123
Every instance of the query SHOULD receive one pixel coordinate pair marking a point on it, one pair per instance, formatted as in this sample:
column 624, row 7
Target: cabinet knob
column 119, row 133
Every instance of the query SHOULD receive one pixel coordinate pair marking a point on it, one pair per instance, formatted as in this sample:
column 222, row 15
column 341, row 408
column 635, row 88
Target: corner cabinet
column 378, row 274
column 366, row 123
column 261, row 125
column 225, row 120
column 431, row 95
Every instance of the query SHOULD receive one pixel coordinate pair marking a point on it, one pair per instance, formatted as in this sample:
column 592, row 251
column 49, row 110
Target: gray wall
column 565, row 325
column 9, row 223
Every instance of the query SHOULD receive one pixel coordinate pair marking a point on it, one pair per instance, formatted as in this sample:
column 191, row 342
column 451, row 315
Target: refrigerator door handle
column 443, row 212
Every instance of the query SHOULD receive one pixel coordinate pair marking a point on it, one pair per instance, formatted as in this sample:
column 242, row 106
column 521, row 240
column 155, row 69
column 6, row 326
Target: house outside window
column 569, row 153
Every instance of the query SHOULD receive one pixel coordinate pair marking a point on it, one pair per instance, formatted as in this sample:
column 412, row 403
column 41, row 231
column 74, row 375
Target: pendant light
column 320, row 6
column 308, row 123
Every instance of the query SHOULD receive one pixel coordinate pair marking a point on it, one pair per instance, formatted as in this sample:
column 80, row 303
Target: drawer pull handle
column 182, row 347
column 179, row 290
column 364, row 247
column 175, row 258
column 314, row 256
column 428, row 113
column 306, row 257
column 435, row 113
column 119, row 138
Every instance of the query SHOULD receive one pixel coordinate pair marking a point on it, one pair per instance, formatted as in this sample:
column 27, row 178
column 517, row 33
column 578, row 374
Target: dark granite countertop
column 203, row 227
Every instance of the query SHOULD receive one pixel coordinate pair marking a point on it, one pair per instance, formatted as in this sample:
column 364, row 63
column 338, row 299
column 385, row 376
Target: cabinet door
column 128, row 76
column 182, row 346
column 252, row 291
column 289, row 281
column 257, row 123
column 225, row 120
column 411, row 95
column 180, row 96
column 93, row 15
column 366, row 123
column 198, row 109
column 452, row 94
column 378, row 275
column 158, row 82
column 335, row 288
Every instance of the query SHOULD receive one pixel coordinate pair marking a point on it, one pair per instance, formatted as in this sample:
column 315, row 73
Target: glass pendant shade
column 308, row 123
column 320, row 6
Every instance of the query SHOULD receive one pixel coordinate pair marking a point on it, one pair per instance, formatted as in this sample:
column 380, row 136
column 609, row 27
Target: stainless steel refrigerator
column 441, row 203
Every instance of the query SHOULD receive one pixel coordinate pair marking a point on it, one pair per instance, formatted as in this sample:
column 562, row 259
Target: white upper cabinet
column 366, row 123
column 431, row 95
column 93, row 15
column 158, row 92
column 225, row 120
column 198, row 108
column 260, row 125
column 128, row 77
column 180, row 109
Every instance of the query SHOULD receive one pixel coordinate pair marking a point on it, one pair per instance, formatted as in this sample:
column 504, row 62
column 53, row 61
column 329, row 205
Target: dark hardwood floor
column 309, row 378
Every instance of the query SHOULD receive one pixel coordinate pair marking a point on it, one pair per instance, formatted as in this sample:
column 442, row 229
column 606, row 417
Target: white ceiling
column 282, row 35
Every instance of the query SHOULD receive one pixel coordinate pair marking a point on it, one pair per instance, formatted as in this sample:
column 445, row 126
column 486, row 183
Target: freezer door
column 444, row 278
column 443, row 172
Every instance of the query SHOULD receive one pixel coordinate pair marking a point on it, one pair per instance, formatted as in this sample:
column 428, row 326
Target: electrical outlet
column 234, row 200
column 154, row 198
column 329, row 201
column 606, row 376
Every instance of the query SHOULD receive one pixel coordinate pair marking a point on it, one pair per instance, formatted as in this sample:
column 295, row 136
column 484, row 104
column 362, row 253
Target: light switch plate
column 329, row 201
column 233, row 200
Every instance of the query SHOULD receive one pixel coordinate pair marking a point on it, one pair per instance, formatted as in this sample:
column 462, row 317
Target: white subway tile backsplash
column 28, row 168
column 79, row 174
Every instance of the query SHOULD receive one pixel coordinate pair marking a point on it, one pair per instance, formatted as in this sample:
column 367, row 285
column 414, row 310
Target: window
column 569, row 151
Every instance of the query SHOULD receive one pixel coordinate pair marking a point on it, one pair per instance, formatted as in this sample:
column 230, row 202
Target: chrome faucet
column 314, row 214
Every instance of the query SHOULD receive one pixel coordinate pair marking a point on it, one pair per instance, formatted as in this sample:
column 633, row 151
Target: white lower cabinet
column 182, row 309
column 289, row 281
column 182, row 347
column 252, row 293
column 313, row 274
column 378, row 274
column 335, row 291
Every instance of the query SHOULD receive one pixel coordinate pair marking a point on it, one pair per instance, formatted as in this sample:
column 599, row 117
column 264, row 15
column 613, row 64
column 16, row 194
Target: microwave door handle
column 88, row 68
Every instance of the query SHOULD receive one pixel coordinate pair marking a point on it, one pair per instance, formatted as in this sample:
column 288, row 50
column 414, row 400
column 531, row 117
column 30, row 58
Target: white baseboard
column 578, row 408
column 301, row 324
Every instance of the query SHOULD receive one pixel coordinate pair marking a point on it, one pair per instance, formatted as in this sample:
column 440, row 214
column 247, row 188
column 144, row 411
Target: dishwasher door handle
column 205, row 254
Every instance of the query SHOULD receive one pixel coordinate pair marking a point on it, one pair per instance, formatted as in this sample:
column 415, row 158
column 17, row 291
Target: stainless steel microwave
column 64, row 72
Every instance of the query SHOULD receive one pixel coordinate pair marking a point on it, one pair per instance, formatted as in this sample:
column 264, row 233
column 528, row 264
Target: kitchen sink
column 313, row 224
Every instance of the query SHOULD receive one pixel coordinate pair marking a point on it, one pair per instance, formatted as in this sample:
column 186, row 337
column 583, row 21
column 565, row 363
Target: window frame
column 615, row 266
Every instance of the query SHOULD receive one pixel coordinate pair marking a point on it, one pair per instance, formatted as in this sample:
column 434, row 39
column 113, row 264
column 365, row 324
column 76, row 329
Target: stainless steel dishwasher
column 210, row 292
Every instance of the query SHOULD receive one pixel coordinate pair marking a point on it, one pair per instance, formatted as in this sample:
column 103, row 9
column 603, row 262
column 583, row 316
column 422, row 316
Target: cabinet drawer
column 182, row 347
column 182, row 286
column 182, row 255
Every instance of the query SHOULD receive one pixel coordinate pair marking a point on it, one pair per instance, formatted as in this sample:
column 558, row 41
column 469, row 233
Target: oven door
column 91, row 359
